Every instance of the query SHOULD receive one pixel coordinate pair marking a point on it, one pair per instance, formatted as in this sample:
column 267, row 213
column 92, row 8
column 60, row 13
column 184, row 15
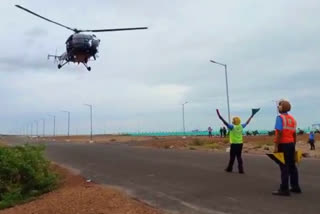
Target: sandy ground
column 252, row 144
column 97, row 138
column 76, row 196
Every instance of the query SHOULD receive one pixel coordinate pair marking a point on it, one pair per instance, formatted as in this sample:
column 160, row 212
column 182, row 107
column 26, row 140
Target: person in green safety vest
column 236, row 140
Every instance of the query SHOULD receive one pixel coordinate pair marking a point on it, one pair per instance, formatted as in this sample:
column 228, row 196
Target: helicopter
column 80, row 47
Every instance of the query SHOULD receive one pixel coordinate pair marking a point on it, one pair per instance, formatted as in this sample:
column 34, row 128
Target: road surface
column 191, row 181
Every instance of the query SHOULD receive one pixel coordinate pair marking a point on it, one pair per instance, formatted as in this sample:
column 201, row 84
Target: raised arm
column 249, row 119
column 221, row 118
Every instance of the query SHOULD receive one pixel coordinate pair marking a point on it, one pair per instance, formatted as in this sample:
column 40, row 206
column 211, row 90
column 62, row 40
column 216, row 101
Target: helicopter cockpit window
column 80, row 42
column 69, row 39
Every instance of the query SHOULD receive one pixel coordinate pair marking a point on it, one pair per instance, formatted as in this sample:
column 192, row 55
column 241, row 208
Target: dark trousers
column 312, row 147
column 235, row 151
column 289, row 169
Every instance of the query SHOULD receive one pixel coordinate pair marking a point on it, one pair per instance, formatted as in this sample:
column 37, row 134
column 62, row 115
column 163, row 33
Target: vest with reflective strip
column 289, row 128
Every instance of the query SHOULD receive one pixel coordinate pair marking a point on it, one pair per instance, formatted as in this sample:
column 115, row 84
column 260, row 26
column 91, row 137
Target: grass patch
column 24, row 174
column 204, row 143
column 212, row 146
column 201, row 142
column 197, row 142
column 192, row 148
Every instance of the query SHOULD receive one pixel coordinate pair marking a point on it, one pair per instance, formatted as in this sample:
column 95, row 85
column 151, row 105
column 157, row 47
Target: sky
column 141, row 78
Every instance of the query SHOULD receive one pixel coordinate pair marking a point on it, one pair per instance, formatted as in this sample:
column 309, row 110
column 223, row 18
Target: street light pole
column 37, row 134
column 68, row 112
column 227, row 86
column 183, row 122
column 90, row 106
column 43, row 127
column 31, row 133
column 54, row 124
column 31, row 129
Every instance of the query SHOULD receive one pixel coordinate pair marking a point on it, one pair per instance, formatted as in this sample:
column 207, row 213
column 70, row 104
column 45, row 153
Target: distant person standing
column 311, row 140
column 224, row 130
column 210, row 132
column 221, row 131
column 285, row 142
column 236, row 141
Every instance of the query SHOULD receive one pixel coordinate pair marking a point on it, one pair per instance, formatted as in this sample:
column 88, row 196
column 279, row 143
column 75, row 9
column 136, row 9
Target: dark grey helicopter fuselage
column 80, row 47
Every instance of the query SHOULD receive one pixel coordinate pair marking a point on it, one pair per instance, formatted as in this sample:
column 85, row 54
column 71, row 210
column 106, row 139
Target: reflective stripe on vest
column 289, row 128
column 288, row 122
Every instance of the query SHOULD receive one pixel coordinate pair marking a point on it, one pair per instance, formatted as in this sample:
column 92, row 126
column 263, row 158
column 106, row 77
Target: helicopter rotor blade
column 29, row 11
column 114, row 29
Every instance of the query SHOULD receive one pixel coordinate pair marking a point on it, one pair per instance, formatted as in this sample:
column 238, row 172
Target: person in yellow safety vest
column 285, row 141
column 236, row 141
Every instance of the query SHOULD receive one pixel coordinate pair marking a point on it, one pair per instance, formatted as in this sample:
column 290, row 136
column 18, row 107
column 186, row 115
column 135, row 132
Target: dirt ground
column 97, row 138
column 76, row 196
column 252, row 144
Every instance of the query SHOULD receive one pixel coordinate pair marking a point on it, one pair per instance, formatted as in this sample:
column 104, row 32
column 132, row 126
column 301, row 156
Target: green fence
column 196, row 133
column 193, row 133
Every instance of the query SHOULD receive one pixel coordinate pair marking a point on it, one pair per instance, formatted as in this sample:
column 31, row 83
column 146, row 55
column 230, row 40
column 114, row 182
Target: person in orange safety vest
column 285, row 142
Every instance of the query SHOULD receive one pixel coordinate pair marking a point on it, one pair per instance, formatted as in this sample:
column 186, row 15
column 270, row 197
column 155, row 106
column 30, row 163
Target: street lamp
column 227, row 87
column 36, row 121
column 183, row 123
column 31, row 130
column 68, row 112
column 43, row 127
column 54, row 124
column 90, row 106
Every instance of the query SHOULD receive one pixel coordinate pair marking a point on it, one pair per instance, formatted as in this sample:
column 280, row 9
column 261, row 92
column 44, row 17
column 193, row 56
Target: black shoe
column 296, row 190
column 241, row 172
column 228, row 170
column 281, row 193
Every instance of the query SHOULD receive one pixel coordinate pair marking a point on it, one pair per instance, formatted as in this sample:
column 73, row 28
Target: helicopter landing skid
column 60, row 66
column 87, row 67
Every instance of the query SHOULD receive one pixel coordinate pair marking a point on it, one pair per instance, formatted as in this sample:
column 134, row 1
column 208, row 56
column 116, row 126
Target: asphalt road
column 191, row 181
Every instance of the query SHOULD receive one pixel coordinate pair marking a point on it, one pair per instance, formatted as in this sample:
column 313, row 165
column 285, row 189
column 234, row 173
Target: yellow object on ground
column 298, row 156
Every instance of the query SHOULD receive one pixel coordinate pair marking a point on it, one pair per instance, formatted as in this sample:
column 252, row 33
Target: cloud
column 23, row 63
column 36, row 32
column 142, row 77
